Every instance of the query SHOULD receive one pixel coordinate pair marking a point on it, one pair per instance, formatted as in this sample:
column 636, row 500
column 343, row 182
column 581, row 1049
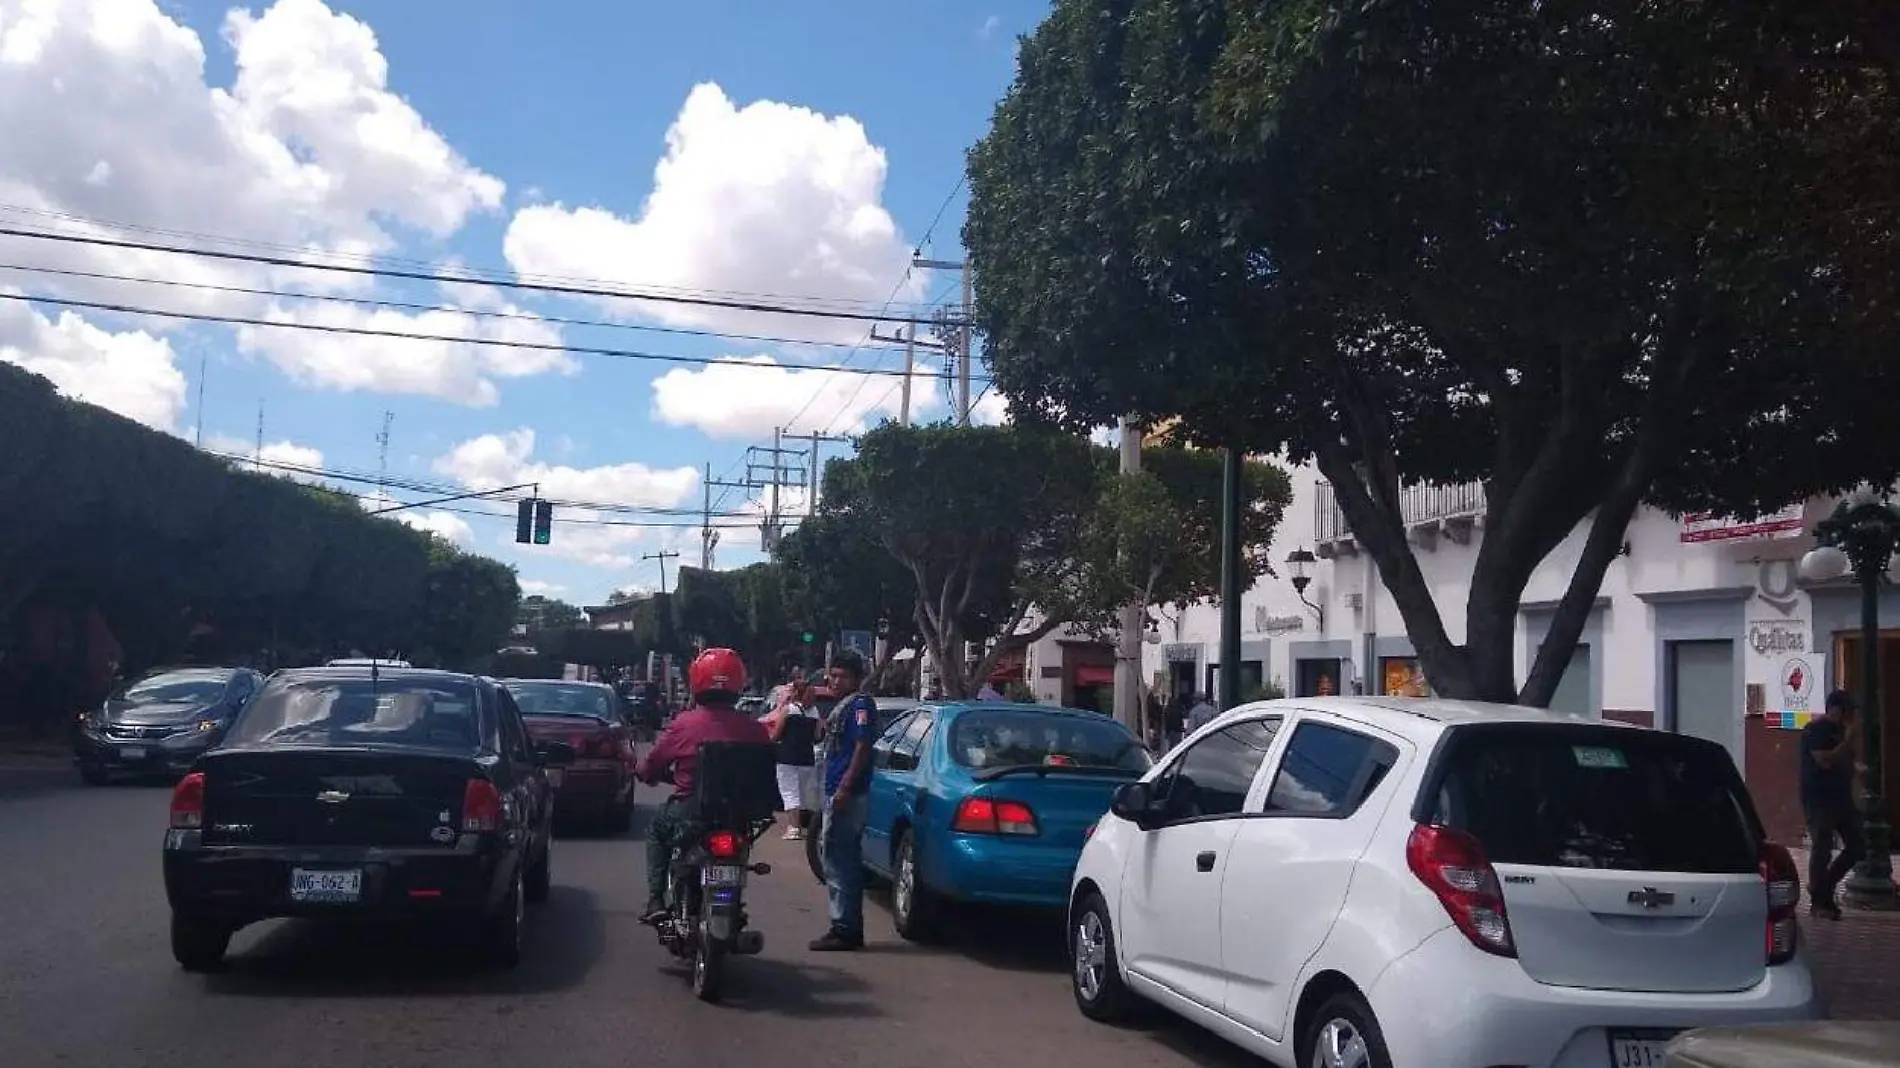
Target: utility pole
column 778, row 474
column 911, row 344
column 953, row 328
column 708, row 537
column 257, row 457
column 382, row 454
column 811, row 466
column 199, row 437
column 662, row 556
column 1128, row 706
column 1232, row 473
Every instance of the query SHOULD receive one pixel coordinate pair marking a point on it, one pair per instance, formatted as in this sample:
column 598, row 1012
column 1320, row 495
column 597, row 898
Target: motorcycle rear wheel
column 709, row 967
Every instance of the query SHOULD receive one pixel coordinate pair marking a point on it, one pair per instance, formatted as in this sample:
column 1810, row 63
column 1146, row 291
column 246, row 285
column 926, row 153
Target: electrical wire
column 449, row 279
column 417, row 335
column 399, row 305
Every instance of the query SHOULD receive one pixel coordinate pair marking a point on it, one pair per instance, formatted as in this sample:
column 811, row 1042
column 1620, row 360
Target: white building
column 1700, row 626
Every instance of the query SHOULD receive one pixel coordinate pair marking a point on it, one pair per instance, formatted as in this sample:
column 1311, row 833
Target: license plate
column 722, row 875
column 556, row 776
column 131, row 752
column 339, row 887
column 1638, row 1049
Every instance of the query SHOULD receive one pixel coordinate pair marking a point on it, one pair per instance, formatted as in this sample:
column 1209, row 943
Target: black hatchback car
column 355, row 793
column 161, row 723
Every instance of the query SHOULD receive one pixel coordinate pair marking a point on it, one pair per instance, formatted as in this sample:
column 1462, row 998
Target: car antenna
column 373, row 676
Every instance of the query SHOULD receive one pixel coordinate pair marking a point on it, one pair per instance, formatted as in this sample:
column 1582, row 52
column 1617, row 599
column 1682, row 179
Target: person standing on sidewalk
column 848, row 737
column 1827, row 800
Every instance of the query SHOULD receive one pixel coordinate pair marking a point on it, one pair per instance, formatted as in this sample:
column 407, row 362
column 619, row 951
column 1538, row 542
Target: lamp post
column 1297, row 562
column 1860, row 538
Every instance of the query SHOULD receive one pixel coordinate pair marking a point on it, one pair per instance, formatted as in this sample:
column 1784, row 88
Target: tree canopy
column 179, row 549
column 1590, row 255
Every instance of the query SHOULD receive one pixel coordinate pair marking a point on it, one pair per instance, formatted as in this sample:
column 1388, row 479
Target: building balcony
column 1429, row 512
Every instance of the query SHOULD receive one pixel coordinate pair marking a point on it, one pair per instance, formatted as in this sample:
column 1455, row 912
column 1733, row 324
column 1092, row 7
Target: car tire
column 199, row 945
column 914, row 909
column 814, row 846
column 1344, row 1033
column 501, row 934
column 539, row 881
column 1095, row 975
column 94, row 774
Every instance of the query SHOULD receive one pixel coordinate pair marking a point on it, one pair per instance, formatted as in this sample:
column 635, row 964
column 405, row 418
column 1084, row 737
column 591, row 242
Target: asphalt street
column 86, row 976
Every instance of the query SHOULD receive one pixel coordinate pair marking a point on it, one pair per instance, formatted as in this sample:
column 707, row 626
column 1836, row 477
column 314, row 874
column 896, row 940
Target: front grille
column 120, row 730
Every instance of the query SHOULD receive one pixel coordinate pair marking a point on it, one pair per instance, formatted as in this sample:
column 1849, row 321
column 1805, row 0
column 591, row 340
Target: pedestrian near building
column 1827, row 800
column 1201, row 714
column 793, row 726
column 849, row 733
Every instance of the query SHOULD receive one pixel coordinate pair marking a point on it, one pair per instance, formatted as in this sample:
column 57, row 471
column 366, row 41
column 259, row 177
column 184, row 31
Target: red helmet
column 716, row 671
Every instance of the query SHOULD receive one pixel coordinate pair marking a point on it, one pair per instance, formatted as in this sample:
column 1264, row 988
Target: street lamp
column 1297, row 562
column 1860, row 538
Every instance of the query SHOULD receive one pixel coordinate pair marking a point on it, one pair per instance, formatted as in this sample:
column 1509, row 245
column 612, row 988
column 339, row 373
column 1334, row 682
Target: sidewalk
column 1857, row 960
column 18, row 751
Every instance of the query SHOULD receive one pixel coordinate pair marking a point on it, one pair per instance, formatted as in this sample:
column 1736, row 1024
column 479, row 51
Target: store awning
column 1094, row 675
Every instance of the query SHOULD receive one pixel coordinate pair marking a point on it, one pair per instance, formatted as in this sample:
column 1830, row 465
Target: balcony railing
column 1419, row 506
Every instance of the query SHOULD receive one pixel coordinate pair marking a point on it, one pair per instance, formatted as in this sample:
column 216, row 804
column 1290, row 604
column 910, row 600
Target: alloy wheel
column 1340, row 1045
column 905, row 892
column 1091, row 955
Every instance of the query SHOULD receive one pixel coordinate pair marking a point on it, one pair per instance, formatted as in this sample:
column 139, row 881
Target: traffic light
column 543, row 522
column 806, row 637
column 524, row 521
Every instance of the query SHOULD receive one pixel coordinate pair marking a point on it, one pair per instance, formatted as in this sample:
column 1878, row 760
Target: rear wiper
column 1043, row 771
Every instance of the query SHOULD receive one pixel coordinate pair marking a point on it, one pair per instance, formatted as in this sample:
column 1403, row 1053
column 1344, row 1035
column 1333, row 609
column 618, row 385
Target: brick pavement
column 1857, row 960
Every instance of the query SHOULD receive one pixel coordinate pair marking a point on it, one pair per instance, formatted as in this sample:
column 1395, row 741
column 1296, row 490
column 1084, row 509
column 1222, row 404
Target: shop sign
column 1700, row 527
column 1776, row 638
column 1269, row 624
column 1180, row 652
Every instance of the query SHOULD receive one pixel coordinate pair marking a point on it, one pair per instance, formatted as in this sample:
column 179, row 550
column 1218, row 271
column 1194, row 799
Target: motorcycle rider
column 715, row 681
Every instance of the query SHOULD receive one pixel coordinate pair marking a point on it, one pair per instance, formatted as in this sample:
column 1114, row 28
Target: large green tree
column 839, row 577
column 1592, row 255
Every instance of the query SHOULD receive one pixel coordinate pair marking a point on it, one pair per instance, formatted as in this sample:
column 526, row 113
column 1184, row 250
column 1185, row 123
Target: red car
column 592, row 719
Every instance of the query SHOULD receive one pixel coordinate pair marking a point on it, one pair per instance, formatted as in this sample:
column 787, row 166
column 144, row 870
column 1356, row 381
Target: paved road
column 86, row 977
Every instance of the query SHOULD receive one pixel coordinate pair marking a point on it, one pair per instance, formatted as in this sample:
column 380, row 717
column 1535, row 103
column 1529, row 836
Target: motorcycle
column 706, row 921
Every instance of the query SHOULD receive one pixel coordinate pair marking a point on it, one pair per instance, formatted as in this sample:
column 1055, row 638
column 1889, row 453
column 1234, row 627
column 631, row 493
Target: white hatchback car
column 1338, row 882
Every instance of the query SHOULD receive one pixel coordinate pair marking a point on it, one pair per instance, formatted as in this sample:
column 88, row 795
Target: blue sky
column 820, row 142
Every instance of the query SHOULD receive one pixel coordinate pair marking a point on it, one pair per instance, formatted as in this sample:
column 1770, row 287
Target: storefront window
column 1400, row 676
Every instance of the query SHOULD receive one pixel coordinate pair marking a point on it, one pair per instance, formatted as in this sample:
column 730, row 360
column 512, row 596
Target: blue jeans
column 841, row 846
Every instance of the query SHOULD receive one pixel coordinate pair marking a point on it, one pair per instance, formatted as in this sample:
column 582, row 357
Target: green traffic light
column 805, row 637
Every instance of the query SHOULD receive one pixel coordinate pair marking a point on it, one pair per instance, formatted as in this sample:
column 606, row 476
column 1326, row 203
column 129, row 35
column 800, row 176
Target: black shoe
column 655, row 912
column 1828, row 911
column 837, row 942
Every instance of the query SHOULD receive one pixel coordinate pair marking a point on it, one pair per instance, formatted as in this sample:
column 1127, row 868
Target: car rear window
column 1594, row 797
column 431, row 714
column 1010, row 738
column 542, row 699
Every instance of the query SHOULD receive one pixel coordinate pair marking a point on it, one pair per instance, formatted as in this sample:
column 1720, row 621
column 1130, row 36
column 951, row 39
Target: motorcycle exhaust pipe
column 749, row 943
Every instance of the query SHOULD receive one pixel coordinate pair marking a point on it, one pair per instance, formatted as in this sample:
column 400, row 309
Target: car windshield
column 427, row 713
column 1008, row 738
column 176, row 688
column 1596, row 797
column 555, row 699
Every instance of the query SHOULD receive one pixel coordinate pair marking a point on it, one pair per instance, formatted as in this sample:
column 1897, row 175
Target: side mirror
column 554, row 754
column 1134, row 802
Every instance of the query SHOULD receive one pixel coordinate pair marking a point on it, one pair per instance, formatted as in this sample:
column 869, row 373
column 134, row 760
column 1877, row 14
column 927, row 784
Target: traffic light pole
column 535, row 486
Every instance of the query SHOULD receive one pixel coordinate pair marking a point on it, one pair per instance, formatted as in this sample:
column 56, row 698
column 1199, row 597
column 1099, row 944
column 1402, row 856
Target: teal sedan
column 989, row 803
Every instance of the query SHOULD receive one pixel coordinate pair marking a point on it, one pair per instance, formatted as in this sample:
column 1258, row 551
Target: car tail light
column 607, row 747
column 481, row 807
column 1453, row 867
column 722, row 845
column 982, row 815
column 188, row 802
column 1783, row 882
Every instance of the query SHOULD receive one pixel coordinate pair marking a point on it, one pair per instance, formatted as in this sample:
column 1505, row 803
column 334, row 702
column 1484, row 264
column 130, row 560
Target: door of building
column 1316, row 678
column 1573, row 690
column 1702, row 698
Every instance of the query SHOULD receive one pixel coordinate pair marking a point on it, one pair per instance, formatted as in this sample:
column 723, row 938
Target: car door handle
column 1204, row 861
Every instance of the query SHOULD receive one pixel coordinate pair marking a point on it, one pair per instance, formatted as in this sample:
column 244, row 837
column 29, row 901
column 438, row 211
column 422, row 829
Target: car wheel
column 539, row 881
column 1344, row 1034
column 814, row 846
column 913, row 907
column 93, row 774
column 199, row 945
column 502, row 939
column 1095, row 972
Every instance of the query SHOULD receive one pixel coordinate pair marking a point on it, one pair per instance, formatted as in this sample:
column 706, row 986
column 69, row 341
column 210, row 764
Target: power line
column 472, row 276
column 399, row 305
column 450, row 279
column 417, row 335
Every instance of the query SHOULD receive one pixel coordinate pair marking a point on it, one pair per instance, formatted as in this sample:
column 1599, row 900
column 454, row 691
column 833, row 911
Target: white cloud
column 989, row 28
column 286, row 452
column 603, row 539
column 989, row 409
column 537, row 588
column 740, row 400
column 108, row 118
column 133, row 373
column 768, row 200
column 446, row 370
